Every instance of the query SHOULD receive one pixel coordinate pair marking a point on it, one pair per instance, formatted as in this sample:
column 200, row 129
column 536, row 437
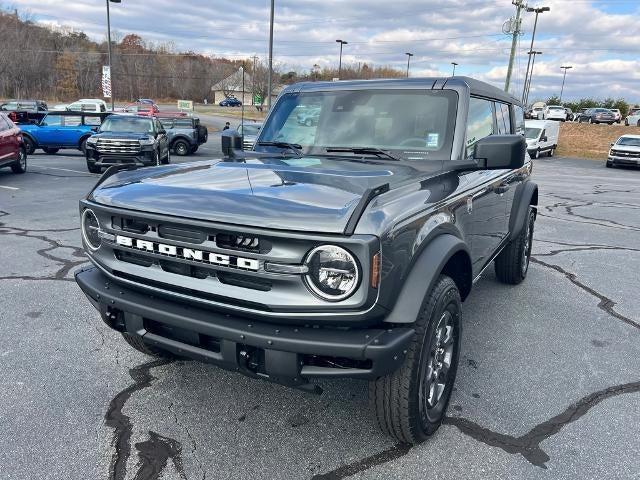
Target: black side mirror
column 231, row 141
column 500, row 151
column 162, row 131
column 544, row 139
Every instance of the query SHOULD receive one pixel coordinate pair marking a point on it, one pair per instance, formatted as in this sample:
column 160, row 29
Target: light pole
column 109, row 50
column 316, row 67
column 538, row 11
column 270, row 57
column 454, row 68
column 341, row 42
column 563, row 79
column 409, row 55
column 528, row 86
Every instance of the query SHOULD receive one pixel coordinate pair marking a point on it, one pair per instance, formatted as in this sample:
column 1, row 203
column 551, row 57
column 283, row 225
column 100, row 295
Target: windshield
column 629, row 141
column 532, row 133
column 556, row 108
column 413, row 124
column 249, row 129
column 127, row 124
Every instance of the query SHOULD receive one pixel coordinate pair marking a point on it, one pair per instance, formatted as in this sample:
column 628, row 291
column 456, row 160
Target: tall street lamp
column 341, row 42
column 409, row 55
column 269, row 87
column 528, row 86
column 109, row 50
column 563, row 79
column 538, row 11
column 454, row 68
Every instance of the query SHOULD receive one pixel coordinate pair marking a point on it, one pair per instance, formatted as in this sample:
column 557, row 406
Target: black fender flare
column 30, row 137
column 424, row 273
column 526, row 194
column 83, row 138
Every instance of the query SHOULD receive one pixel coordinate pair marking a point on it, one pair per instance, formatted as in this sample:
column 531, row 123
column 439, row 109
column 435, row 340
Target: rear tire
column 512, row 264
column 136, row 342
column 29, row 145
column 20, row 165
column 410, row 403
column 50, row 151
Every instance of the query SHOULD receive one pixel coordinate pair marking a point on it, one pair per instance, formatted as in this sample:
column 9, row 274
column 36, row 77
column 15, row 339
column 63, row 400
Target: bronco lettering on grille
column 189, row 254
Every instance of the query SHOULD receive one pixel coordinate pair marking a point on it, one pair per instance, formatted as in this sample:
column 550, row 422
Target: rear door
column 70, row 130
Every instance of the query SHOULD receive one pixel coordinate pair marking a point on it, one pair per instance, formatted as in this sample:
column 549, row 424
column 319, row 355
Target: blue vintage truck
column 58, row 130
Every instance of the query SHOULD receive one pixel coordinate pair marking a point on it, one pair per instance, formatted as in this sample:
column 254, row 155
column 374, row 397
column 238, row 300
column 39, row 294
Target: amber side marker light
column 375, row 270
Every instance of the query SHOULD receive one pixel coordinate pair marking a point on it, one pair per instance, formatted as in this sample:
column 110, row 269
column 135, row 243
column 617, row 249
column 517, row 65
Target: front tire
column 181, row 148
column 410, row 403
column 609, row 164
column 20, row 165
column 512, row 264
column 536, row 154
column 93, row 168
column 136, row 342
column 552, row 152
column 29, row 145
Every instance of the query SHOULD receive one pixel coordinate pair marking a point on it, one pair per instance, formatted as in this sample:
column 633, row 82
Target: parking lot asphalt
column 548, row 385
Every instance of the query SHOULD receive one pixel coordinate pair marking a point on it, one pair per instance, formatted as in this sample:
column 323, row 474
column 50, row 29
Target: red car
column 12, row 151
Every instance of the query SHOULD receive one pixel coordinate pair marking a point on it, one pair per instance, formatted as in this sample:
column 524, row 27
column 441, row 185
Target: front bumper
column 142, row 157
column 285, row 354
column 626, row 161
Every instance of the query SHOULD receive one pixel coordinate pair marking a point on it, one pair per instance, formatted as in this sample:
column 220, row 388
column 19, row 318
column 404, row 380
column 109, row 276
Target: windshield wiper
column 294, row 147
column 366, row 151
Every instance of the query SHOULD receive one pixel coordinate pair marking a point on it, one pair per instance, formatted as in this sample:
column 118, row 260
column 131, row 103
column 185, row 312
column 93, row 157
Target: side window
column 103, row 108
column 519, row 120
column 479, row 122
column 503, row 119
column 3, row 124
column 52, row 120
column 158, row 126
column 93, row 121
column 72, row 121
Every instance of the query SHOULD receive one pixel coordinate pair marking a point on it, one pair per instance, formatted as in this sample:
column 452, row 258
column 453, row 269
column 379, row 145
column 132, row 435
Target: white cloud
column 601, row 44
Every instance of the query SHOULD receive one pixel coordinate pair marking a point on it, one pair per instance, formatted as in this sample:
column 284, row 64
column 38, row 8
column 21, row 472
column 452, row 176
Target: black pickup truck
column 344, row 248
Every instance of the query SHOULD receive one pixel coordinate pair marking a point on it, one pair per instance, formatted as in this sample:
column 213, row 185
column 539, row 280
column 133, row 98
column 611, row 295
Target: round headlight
column 333, row 272
column 90, row 229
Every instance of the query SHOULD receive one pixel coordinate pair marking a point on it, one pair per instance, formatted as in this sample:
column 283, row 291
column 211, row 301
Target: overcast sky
column 599, row 38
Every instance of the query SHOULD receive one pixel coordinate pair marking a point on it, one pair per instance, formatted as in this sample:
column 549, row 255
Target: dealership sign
column 185, row 105
column 106, row 81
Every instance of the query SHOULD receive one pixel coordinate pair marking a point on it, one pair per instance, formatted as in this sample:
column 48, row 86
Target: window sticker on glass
column 432, row 140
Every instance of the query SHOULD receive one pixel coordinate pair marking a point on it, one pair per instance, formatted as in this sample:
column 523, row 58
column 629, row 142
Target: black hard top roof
column 476, row 87
column 76, row 113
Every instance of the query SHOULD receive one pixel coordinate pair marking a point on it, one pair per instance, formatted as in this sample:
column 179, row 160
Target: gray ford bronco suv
column 344, row 248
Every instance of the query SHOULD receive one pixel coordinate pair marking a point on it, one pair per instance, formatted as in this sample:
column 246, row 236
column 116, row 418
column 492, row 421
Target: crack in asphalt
column 66, row 265
column 528, row 445
column 123, row 428
column 388, row 455
column 605, row 304
column 194, row 447
column 581, row 247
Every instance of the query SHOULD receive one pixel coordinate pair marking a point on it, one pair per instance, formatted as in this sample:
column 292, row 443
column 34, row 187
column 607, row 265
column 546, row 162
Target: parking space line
column 66, row 170
column 9, row 188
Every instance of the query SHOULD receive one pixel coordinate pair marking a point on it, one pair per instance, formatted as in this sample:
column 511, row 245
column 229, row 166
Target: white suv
column 88, row 105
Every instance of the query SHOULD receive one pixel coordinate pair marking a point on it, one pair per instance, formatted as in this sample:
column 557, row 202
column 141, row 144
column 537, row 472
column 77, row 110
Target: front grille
column 117, row 146
column 622, row 153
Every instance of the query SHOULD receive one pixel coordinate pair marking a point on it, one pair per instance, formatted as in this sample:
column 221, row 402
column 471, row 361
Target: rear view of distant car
column 555, row 112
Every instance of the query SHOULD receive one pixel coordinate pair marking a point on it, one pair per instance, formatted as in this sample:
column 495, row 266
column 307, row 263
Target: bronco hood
column 304, row 194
